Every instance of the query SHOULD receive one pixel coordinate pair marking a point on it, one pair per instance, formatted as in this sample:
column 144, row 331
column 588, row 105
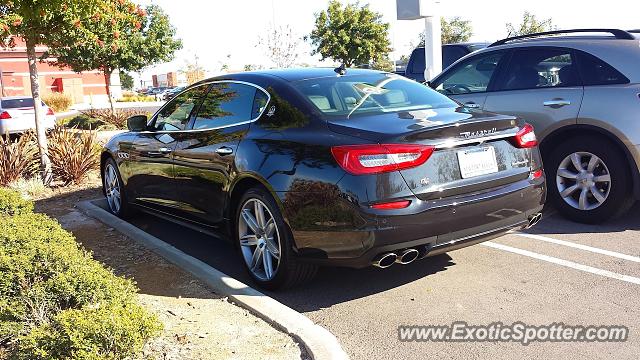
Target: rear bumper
column 21, row 125
column 435, row 226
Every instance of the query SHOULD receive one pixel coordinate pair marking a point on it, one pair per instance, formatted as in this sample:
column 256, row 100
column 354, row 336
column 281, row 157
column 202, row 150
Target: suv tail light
column 50, row 111
column 526, row 137
column 5, row 115
column 375, row 158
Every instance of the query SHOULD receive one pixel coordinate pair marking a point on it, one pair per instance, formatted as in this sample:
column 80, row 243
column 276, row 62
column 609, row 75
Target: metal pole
column 432, row 47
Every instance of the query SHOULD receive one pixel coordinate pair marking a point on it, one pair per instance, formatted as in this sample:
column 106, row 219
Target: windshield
column 371, row 94
column 16, row 103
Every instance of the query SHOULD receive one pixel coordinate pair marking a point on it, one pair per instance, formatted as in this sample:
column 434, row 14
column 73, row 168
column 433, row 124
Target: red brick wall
column 15, row 74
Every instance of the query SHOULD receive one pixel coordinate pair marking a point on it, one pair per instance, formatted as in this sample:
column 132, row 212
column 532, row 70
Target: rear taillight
column 5, row 115
column 374, row 159
column 526, row 137
column 50, row 111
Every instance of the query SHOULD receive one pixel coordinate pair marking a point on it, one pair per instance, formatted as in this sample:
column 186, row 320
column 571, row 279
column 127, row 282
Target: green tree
column 124, row 36
column 530, row 25
column 126, row 81
column 51, row 23
column 350, row 35
column 454, row 30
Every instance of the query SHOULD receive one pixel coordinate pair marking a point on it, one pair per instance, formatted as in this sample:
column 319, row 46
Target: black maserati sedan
column 310, row 167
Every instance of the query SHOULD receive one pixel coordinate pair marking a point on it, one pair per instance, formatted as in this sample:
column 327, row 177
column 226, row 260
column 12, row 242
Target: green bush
column 85, row 122
column 56, row 302
column 12, row 203
column 136, row 98
column 59, row 102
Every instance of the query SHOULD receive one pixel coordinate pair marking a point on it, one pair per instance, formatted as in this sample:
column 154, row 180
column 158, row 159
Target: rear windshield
column 369, row 94
column 16, row 103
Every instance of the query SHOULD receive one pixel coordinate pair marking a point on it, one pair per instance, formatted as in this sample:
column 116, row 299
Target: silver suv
column 581, row 91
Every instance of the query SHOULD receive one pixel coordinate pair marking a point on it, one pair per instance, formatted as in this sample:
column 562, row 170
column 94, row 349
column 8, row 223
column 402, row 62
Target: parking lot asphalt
column 558, row 271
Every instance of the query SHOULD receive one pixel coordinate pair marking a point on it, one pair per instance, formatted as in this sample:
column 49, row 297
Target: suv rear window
column 371, row 94
column 597, row 72
column 16, row 103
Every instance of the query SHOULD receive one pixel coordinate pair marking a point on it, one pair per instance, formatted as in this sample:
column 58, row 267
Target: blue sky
column 214, row 29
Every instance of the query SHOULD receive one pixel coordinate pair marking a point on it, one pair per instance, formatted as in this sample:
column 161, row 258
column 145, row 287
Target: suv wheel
column 588, row 180
column 266, row 244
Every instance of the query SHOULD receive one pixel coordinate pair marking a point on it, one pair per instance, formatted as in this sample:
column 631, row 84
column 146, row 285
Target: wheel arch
column 560, row 134
column 243, row 183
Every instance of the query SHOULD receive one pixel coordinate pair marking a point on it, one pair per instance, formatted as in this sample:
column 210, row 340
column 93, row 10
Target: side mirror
column 137, row 123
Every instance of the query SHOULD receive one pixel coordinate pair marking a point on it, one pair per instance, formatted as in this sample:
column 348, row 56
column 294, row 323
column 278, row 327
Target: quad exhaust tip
column 385, row 260
column 407, row 256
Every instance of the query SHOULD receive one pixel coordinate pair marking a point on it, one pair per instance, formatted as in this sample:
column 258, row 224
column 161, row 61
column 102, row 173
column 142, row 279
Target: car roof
column 622, row 54
column 295, row 74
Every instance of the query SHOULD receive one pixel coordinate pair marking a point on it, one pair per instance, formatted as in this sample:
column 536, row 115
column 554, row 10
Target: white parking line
column 581, row 247
column 561, row 262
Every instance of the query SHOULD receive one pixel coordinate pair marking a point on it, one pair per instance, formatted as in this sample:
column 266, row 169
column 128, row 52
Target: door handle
column 160, row 152
column 471, row 105
column 556, row 103
column 224, row 150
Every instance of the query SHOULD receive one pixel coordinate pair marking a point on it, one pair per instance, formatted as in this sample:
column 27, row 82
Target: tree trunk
column 45, row 163
column 107, row 83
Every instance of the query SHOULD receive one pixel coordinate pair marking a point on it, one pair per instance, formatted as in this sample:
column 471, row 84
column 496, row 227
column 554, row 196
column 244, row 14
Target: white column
column 432, row 47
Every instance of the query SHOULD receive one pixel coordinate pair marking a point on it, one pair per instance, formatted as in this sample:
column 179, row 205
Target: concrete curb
column 318, row 341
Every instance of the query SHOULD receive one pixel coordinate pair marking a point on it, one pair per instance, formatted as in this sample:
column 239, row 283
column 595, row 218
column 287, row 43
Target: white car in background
column 17, row 115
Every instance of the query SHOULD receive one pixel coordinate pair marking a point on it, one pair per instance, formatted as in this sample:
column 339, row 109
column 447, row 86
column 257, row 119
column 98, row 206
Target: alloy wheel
column 583, row 181
column 112, row 188
column 259, row 239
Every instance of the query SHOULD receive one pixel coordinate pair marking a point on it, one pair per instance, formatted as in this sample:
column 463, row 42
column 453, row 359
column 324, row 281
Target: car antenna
column 341, row 70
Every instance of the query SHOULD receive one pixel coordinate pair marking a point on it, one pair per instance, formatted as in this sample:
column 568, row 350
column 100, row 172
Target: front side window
column 471, row 76
column 348, row 96
column 227, row 104
column 175, row 115
column 540, row 68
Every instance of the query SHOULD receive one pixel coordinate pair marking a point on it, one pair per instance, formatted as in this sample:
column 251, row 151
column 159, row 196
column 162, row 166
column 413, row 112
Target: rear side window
column 452, row 53
column 16, row 103
column 226, row 104
column 534, row 68
column 417, row 66
column 597, row 72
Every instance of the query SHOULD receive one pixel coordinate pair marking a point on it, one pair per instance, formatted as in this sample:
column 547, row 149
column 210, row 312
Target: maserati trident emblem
column 478, row 133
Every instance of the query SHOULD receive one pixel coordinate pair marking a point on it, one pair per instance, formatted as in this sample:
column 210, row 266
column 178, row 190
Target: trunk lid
column 474, row 150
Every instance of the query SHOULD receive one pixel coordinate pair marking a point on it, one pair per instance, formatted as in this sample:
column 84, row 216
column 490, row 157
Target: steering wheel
column 449, row 90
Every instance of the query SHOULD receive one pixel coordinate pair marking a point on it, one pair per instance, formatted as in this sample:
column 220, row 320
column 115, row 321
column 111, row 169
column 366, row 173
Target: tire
column 603, row 200
column 111, row 183
column 275, row 241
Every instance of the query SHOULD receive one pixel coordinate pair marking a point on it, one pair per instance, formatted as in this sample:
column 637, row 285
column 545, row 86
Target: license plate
column 477, row 161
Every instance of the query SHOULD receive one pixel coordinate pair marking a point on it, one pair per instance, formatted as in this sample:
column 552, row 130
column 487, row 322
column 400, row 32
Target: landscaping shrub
column 117, row 119
column 73, row 154
column 85, row 122
column 18, row 158
column 59, row 102
column 12, row 203
column 56, row 302
column 136, row 98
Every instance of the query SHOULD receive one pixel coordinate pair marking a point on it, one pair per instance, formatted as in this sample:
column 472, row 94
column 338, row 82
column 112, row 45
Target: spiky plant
column 18, row 158
column 73, row 154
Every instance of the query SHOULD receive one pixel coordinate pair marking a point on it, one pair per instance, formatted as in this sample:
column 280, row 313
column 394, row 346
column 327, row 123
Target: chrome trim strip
column 214, row 128
column 451, row 143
